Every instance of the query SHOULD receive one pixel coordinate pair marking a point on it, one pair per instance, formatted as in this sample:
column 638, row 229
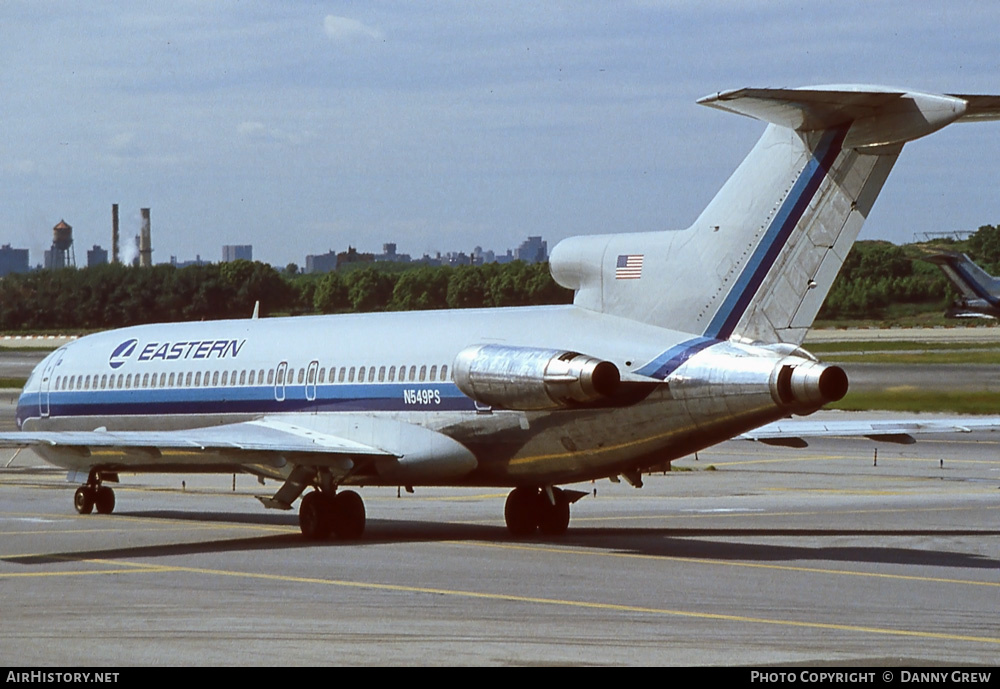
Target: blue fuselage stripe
column 670, row 360
column 247, row 400
column 777, row 234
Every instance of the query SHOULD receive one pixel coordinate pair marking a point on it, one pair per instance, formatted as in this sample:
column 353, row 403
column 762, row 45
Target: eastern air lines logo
column 122, row 353
column 172, row 351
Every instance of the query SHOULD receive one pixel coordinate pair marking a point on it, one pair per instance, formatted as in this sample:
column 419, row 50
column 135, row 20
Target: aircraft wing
column 345, row 447
column 794, row 432
column 263, row 435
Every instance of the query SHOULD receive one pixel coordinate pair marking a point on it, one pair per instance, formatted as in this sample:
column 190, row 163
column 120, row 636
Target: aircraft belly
column 571, row 446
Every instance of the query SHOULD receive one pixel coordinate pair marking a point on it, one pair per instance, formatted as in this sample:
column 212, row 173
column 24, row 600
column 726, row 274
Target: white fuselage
column 680, row 392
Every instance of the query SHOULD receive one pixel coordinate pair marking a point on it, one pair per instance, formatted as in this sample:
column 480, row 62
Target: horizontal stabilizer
column 877, row 116
column 979, row 108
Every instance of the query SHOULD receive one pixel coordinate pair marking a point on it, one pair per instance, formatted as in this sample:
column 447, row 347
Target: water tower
column 61, row 254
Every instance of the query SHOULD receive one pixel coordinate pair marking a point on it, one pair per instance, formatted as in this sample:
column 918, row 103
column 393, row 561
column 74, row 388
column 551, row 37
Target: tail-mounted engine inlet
column 525, row 378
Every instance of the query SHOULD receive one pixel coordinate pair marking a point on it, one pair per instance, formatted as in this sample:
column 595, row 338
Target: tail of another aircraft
column 980, row 291
column 759, row 261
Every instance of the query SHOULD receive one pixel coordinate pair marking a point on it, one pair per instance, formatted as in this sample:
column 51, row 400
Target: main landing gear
column 531, row 509
column 92, row 494
column 322, row 513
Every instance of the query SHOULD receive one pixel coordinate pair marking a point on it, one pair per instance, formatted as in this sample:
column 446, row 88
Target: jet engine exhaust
column 809, row 384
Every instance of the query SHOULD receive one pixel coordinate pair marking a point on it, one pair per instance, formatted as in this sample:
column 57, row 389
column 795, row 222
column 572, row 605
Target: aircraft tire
column 315, row 516
column 83, row 500
column 349, row 520
column 104, row 500
column 553, row 520
column 521, row 512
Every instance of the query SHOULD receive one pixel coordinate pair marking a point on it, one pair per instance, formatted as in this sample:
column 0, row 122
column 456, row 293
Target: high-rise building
column 13, row 260
column 96, row 256
column 533, row 250
column 237, row 252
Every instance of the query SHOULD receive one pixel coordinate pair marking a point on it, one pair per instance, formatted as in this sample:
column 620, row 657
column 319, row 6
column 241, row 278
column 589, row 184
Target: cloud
column 258, row 131
column 344, row 29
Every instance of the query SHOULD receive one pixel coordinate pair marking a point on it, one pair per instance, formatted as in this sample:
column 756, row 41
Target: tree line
column 878, row 280
column 114, row 295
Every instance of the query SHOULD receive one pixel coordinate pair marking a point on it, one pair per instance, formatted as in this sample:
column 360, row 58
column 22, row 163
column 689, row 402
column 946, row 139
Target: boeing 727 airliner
column 675, row 341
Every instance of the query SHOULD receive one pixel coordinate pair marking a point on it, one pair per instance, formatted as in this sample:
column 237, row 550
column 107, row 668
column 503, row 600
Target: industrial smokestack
column 145, row 242
column 114, row 233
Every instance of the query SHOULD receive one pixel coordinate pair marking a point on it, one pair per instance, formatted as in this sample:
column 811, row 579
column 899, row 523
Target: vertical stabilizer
column 980, row 291
column 758, row 263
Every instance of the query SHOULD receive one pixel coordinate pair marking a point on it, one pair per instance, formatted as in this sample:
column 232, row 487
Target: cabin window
column 444, row 373
column 350, row 375
column 434, row 370
column 188, row 381
column 270, row 376
column 260, row 377
column 215, row 378
column 342, row 371
column 104, row 381
column 361, row 374
column 128, row 381
column 86, row 383
column 423, row 373
column 381, row 374
column 392, row 374
column 322, row 375
column 243, row 377
column 252, row 372
column 311, row 376
column 225, row 377
column 302, row 376
column 197, row 378
column 145, row 380
column 413, row 373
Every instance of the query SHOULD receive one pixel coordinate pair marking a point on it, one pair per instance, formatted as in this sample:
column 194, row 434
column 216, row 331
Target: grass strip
column 916, row 400
column 895, row 346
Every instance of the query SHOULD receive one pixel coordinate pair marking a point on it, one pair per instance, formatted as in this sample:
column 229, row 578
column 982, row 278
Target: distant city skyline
column 531, row 250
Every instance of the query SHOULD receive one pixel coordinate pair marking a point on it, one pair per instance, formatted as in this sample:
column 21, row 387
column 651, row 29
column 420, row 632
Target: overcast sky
column 303, row 126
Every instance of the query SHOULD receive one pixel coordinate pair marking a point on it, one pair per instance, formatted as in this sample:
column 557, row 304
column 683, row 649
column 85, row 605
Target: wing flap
column 240, row 443
column 792, row 432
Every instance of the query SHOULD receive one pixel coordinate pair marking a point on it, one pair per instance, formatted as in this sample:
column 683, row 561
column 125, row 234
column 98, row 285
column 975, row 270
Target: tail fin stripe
column 725, row 320
column 973, row 284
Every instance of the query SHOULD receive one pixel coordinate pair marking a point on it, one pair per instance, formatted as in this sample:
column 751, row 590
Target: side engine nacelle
column 807, row 385
column 530, row 379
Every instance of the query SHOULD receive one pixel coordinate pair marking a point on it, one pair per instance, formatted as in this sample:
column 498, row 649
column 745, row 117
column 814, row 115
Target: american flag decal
column 629, row 267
